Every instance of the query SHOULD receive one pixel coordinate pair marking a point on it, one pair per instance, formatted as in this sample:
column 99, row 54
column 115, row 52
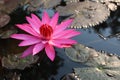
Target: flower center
column 46, row 31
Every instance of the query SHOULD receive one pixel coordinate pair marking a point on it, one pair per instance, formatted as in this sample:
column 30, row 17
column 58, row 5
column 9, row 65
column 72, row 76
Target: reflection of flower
column 45, row 34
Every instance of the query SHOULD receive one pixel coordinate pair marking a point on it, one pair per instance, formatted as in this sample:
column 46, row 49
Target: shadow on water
column 105, row 37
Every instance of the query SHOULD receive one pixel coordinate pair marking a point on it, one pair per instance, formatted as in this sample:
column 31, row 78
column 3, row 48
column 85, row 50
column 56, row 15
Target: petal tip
column 52, row 59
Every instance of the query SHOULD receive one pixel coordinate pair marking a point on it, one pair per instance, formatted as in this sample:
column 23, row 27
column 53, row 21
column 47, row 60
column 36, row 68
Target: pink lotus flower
column 45, row 34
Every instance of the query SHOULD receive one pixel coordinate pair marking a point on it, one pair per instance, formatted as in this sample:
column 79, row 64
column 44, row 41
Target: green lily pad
column 11, row 53
column 70, row 76
column 15, row 62
column 92, row 74
column 70, row 1
column 80, row 53
column 36, row 4
column 100, row 66
column 111, row 4
column 86, row 14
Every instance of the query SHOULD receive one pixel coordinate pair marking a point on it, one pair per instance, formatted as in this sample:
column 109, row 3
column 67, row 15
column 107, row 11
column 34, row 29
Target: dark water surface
column 105, row 37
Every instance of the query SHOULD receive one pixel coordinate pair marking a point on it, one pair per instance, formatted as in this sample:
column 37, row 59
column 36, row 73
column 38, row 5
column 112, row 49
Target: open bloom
column 45, row 33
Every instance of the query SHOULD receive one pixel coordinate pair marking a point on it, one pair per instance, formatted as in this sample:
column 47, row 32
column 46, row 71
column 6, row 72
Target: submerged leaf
column 8, row 5
column 7, row 31
column 85, row 13
column 4, row 19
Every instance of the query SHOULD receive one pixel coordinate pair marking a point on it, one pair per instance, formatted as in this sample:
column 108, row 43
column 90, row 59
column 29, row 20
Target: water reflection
column 105, row 37
column 110, row 28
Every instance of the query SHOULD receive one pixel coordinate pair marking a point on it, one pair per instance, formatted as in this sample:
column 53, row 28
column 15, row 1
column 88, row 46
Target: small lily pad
column 70, row 76
column 111, row 4
column 15, row 62
column 7, row 31
column 35, row 4
column 80, row 53
column 8, row 6
column 4, row 19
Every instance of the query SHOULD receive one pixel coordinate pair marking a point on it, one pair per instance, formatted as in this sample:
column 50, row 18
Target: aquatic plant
column 45, row 34
column 86, row 14
column 99, row 65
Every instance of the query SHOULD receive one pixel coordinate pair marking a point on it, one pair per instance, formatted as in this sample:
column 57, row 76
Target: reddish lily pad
column 4, row 19
column 8, row 5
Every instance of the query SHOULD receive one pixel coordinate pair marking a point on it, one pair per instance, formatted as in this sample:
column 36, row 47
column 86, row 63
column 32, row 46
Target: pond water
column 104, row 37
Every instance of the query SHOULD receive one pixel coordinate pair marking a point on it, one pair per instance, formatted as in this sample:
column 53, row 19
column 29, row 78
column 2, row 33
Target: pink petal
column 66, row 34
column 30, row 42
column 65, row 45
column 55, row 44
column 54, row 20
column 22, row 36
column 36, row 19
column 64, row 41
column 62, row 26
column 27, row 52
column 34, row 24
column 37, row 48
column 50, row 52
column 45, row 18
column 27, row 28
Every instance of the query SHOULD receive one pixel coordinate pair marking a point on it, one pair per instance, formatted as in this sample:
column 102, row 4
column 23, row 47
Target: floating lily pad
column 70, row 76
column 35, row 4
column 85, row 14
column 106, row 0
column 70, row 1
column 11, row 53
column 101, row 66
column 80, row 53
column 92, row 74
column 111, row 4
column 15, row 62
